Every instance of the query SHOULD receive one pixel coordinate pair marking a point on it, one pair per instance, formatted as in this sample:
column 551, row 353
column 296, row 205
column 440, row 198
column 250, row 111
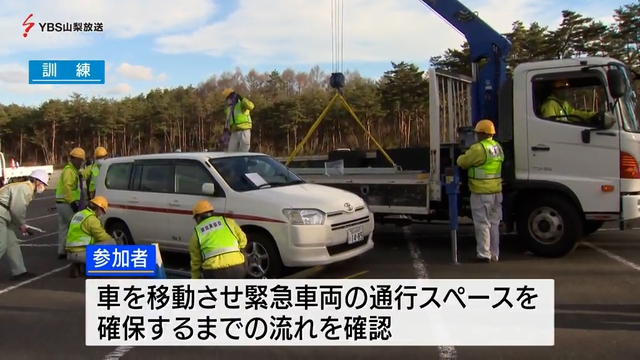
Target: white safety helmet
column 41, row 176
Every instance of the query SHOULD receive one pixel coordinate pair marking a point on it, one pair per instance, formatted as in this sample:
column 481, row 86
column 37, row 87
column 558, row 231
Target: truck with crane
column 564, row 176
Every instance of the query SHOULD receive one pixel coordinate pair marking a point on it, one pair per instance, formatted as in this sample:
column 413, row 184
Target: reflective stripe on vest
column 95, row 171
column 76, row 237
column 239, row 117
column 215, row 237
column 492, row 167
column 75, row 191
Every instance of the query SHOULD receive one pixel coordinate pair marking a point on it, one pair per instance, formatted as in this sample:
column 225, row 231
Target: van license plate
column 355, row 235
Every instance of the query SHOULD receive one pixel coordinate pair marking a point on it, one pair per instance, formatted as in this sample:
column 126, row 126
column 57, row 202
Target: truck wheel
column 550, row 226
column 591, row 226
column 262, row 257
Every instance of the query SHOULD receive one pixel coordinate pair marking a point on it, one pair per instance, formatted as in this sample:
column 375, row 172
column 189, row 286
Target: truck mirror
column 617, row 83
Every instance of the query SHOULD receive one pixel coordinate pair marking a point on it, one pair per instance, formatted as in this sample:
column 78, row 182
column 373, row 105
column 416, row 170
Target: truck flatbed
column 403, row 177
column 386, row 191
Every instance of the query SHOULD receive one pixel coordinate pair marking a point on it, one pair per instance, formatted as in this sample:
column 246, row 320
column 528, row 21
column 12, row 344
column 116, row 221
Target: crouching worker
column 215, row 246
column 85, row 229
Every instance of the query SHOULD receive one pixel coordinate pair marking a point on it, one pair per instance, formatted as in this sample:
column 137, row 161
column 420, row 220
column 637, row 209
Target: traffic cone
column 160, row 273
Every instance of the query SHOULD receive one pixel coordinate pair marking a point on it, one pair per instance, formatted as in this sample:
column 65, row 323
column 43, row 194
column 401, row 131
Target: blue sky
column 162, row 43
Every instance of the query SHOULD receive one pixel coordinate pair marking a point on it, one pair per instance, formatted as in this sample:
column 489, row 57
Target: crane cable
column 337, row 82
column 337, row 36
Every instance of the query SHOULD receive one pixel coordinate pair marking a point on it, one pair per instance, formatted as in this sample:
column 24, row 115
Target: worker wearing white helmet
column 14, row 199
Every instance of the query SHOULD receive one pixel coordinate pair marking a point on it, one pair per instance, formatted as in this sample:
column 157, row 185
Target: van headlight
column 304, row 216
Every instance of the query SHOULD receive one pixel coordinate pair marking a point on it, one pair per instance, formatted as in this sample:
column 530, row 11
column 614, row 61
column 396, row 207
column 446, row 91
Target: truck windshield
column 253, row 172
column 628, row 104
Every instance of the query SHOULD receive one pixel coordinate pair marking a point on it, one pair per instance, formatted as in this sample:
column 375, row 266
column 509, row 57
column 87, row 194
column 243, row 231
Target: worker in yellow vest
column 85, row 229
column 215, row 246
column 238, row 121
column 483, row 162
column 555, row 106
column 94, row 170
column 70, row 195
column 14, row 200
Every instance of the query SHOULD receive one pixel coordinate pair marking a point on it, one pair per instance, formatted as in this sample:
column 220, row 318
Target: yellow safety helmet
column 486, row 127
column 101, row 202
column 226, row 92
column 202, row 207
column 560, row 84
column 77, row 153
column 100, row 152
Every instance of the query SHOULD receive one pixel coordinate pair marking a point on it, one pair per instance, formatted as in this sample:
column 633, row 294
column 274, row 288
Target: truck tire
column 591, row 226
column 550, row 226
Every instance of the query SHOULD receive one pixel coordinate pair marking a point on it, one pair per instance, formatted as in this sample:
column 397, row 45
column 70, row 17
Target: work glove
column 75, row 206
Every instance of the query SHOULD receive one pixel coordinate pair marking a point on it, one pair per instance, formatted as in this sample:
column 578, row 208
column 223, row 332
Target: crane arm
column 484, row 44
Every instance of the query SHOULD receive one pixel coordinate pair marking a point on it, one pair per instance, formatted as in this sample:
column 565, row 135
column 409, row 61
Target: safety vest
column 215, row 237
column 239, row 117
column 492, row 167
column 95, row 171
column 76, row 237
column 75, row 191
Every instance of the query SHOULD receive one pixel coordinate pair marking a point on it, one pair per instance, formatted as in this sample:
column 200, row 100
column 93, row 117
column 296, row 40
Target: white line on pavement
column 613, row 256
column 23, row 283
column 614, row 229
column 42, row 217
column 420, row 268
column 44, row 198
column 119, row 352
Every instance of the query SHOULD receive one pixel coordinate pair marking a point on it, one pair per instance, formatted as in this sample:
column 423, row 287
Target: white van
column 288, row 222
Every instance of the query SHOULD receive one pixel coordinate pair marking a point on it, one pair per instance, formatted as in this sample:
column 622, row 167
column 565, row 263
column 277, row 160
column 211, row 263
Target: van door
column 150, row 199
column 556, row 150
column 190, row 176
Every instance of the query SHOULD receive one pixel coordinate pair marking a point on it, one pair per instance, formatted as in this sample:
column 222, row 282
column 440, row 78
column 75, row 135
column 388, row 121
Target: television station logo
column 28, row 24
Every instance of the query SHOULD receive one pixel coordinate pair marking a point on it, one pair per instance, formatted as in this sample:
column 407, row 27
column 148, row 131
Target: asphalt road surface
column 597, row 298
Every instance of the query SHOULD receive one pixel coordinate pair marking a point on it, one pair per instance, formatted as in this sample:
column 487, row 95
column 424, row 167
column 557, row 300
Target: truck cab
column 565, row 175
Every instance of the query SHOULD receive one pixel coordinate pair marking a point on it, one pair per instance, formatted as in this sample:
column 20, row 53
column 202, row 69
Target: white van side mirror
column 208, row 188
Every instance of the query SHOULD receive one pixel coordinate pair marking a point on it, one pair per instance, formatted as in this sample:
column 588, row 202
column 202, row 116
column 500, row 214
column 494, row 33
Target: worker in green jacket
column 85, row 229
column 215, row 246
column 483, row 162
column 556, row 108
column 94, row 170
column 237, row 122
column 70, row 195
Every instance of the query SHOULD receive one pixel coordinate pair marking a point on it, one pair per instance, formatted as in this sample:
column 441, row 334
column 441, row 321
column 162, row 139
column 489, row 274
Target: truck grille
column 350, row 223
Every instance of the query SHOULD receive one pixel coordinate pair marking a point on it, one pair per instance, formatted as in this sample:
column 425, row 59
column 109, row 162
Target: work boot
column 24, row 276
column 75, row 270
column 62, row 256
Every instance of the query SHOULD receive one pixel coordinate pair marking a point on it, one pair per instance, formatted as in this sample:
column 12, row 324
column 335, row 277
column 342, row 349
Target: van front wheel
column 262, row 257
column 120, row 233
column 550, row 226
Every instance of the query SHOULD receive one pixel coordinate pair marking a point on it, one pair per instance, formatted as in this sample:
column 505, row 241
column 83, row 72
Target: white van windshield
column 241, row 172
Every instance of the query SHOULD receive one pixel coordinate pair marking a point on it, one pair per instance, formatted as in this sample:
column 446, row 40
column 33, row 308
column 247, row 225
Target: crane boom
column 486, row 44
